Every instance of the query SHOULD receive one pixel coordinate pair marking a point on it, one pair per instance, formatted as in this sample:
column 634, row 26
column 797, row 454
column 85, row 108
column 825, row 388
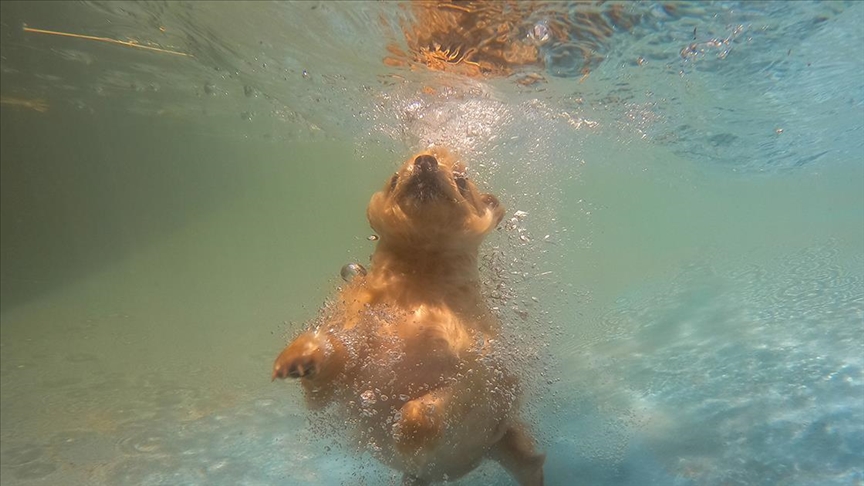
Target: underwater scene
column 676, row 254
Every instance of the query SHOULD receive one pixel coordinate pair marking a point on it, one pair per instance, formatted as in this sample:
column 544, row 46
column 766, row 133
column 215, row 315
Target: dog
column 410, row 352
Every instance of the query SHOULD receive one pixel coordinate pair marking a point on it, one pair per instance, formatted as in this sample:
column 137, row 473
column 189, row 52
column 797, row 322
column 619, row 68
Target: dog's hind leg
column 515, row 452
column 411, row 480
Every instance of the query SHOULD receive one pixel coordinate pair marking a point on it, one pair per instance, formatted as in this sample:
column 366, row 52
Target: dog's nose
column 426, row 163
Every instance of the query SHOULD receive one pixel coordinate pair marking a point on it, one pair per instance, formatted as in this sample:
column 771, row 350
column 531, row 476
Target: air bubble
column 352, row 270
column 367, row 398
column 540, row 32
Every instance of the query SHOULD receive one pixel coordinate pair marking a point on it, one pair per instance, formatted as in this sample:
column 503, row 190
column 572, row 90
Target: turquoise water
column 687, row 271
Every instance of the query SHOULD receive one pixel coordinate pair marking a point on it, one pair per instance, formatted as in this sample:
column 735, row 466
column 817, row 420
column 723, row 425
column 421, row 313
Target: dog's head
column 430, row 203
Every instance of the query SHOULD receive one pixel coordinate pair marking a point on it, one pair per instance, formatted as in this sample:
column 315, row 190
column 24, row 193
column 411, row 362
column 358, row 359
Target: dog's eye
column 393, row 181
column 461, row 183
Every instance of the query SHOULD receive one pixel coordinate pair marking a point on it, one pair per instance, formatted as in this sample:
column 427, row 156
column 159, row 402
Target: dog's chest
column 408, row 351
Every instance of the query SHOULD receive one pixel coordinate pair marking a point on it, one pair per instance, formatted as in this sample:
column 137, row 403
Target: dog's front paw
column 301, row 359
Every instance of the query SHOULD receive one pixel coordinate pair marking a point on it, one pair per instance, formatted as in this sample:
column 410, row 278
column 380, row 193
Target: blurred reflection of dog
column 499, row 38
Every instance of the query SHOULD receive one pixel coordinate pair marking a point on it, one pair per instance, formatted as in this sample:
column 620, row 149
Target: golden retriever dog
column 410, row 352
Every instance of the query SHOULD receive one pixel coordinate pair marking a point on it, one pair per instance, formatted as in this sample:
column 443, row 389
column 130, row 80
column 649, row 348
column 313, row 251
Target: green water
column 692, row 316
column 151, row 270
column 652, row 212
column 133, row 250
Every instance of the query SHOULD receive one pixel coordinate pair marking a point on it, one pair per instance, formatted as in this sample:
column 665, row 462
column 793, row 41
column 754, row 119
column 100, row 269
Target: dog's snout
column 426, row 163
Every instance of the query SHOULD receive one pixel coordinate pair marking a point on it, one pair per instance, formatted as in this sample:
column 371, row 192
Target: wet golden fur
column 409, row 351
